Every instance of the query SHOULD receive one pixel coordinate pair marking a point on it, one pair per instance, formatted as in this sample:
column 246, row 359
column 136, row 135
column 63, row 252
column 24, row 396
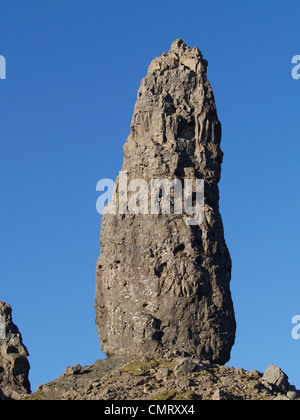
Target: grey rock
column 219, row 395
column 163, row 372
column 163, row 284
column 14, row 365
column 292, row 395
column 73, row 370
column 184, row 367
column 269, row 387
column 240, row 371
column 275, row 376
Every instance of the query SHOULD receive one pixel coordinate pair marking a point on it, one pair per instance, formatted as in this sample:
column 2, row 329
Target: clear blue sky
column 73, row 71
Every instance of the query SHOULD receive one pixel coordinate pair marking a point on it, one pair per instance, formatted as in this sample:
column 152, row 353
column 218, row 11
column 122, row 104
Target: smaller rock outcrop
column 14, row 366
column 276, row 379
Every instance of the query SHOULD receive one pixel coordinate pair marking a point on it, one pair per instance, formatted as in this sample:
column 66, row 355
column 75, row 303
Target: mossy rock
column 185, row 396
column 34, row 397
column 165, row 396
column 140, row 368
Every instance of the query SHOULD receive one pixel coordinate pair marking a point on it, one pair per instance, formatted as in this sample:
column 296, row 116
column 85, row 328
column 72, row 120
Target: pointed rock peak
column 180, row 48
column 180, row 55
column 178, row 44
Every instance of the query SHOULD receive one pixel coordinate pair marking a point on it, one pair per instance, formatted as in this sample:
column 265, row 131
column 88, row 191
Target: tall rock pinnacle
column 163, row 283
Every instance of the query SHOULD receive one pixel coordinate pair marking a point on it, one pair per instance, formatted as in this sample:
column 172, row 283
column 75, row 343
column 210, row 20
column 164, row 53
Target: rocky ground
column 168, row 377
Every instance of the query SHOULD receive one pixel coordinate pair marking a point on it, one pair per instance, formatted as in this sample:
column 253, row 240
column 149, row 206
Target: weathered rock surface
column 169, row 376
column 161, row 283
column 14, row 366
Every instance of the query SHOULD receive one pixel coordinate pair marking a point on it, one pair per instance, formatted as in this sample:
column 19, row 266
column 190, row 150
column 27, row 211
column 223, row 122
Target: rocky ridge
column 169, row 377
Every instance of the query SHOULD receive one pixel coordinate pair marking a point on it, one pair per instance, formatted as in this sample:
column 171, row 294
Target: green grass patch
column 140, row 368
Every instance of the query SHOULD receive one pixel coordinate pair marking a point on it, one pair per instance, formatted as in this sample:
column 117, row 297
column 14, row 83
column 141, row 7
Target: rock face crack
column 161, row 283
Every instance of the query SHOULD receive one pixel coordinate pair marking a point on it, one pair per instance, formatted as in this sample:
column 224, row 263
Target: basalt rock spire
column 163, row 283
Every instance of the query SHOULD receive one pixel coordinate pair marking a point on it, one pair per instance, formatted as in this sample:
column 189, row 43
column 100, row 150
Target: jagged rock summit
column 14, row 365
column 163, row 283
